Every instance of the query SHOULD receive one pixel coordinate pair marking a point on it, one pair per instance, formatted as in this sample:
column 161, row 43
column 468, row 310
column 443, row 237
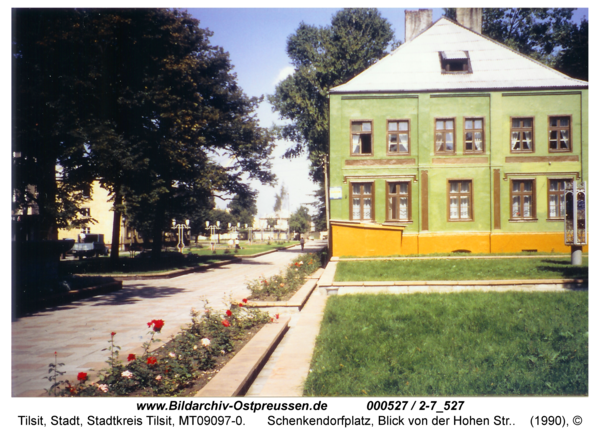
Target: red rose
column 245, row 301
column 158, row 324
column 112, row 334
column 151, row 360
column 277, row 316
column 228, row 313
column 241, row 305
column 226, row 323
column 131, row 357
column 82, row 376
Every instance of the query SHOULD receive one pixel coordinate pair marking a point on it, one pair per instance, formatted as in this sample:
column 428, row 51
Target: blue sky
column 256, row 41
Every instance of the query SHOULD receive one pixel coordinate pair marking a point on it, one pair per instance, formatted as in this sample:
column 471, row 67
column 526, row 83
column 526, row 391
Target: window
column 522, row 199
column 559, row 134
column 398, row 201
column 86, row 192
column 455, row 62
column 85, row 230
column 362, row 137
column 556, row 198
column 361, row 201
column 521, row 135
column 473, row 135
column 85, row 212
column 398, row 137
column 460, row 207
column 444, row 136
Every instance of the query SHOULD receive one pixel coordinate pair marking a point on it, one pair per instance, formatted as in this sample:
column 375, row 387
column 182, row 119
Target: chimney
column 469, row 18
column 416, row 22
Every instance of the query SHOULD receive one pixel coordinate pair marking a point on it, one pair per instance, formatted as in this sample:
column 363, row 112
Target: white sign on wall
column 335, row 193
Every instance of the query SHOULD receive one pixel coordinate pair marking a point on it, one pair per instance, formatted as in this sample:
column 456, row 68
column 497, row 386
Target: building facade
column 454, row 143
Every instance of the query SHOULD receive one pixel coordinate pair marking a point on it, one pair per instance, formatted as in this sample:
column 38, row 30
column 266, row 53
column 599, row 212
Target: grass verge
column 246, row 248
column 460, row 270
column 462, row 344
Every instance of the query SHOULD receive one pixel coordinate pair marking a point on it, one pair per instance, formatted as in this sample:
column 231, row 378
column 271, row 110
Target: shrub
column 172, row 367
column 295, row 275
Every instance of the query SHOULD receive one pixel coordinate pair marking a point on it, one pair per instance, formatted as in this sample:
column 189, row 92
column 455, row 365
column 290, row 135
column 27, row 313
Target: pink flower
column 127, row 374
column 158, row 378
column 205, row 342
column 158, row 325
column 103, row 388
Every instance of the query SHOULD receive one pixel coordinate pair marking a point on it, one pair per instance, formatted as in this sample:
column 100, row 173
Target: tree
column 573, row 60
column 300, row 220
column 185, row 108
column 51, row 168
column 545, row 34
column 324, row 57
column 243, row 209
column 152, row 106
column 319, row 218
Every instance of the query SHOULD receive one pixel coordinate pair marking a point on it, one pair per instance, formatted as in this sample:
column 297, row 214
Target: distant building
column 454, row 143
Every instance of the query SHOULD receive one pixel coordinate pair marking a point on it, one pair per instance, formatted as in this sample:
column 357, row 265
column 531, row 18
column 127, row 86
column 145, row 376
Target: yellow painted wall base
column 356, row 240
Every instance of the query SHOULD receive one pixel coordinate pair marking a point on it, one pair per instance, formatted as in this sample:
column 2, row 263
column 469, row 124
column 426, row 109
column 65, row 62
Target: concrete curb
column 473, row 257
column 298, row 300
column 239, row 373
column 260, row 254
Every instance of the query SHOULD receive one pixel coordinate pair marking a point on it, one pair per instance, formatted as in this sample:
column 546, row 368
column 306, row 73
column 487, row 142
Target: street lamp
column 212, row 229
column 180, row 229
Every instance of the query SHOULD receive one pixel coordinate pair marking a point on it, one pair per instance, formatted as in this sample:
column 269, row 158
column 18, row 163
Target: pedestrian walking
column 302, row 243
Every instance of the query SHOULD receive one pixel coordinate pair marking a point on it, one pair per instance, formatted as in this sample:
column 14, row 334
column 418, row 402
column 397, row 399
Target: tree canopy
column 300, row 220
column 324, row 57
column 158, row 109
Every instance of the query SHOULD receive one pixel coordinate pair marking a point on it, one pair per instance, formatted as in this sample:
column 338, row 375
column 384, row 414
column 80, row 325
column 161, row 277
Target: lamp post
column 212, row 229
column 180, row 229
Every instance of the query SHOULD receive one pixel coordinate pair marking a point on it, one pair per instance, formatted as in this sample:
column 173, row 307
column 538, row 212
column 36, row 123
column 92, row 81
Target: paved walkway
column 78, row 331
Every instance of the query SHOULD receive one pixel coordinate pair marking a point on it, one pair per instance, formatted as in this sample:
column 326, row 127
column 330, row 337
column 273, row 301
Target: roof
column 415, row 66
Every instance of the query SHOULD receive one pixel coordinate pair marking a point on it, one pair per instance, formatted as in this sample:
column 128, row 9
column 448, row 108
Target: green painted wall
column 496, row 108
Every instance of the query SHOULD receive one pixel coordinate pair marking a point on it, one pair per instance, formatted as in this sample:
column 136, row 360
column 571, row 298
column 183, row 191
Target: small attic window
column 455, row 62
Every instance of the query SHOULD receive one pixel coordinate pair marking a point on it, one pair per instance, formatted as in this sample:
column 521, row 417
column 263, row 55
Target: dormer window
column 455, row 62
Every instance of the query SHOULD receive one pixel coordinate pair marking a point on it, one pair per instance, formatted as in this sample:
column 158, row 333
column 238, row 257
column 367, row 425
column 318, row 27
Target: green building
column 454, row 143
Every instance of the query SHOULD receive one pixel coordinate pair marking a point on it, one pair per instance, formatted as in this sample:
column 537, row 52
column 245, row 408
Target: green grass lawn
column 247, row 249
column 453, row 270
column 460, row 344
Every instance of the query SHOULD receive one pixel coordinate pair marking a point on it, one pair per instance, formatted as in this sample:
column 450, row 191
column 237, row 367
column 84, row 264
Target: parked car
column 91, row 245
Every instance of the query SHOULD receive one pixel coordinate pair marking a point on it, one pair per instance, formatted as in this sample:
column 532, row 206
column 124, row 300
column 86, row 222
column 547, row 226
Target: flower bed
column 177, row 367
column 284, row 285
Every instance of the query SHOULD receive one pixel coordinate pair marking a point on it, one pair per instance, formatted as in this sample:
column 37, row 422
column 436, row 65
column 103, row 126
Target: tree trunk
column 157, row 230
column 116, row 230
